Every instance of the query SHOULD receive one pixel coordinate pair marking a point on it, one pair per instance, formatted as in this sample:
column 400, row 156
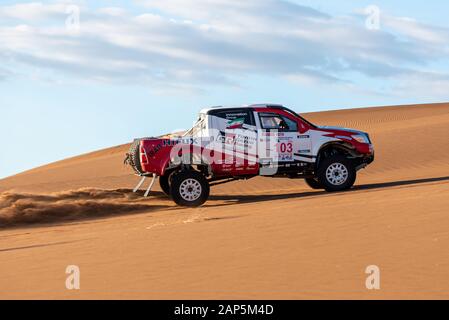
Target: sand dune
column 262, row 238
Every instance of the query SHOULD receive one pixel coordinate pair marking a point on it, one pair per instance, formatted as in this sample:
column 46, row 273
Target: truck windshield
column 297, row 115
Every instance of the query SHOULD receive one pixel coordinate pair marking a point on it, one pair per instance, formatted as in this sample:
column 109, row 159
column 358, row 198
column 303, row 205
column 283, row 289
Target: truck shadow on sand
column 238, row 199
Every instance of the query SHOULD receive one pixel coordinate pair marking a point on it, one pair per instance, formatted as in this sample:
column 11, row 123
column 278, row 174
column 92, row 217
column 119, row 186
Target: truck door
column 236, row 135
column 283, row 141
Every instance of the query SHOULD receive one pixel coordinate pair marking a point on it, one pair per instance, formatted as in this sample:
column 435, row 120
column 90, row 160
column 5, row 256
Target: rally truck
column 239, row 143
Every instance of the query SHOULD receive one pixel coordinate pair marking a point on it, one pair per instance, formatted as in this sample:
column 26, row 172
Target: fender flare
column 340, row 145
column 166, row 165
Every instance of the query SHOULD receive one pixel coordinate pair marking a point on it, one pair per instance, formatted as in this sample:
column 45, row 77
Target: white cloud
column 33, row 11
column 113, row 11
column 5, row 74
column 191, row 43
column 412, row 29
column 425, row 85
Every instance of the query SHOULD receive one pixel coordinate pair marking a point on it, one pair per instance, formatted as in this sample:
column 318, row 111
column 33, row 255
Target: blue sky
column 141, row 68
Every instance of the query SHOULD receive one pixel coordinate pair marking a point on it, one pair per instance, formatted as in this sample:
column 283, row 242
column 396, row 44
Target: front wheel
column 189, row 188
column 336, row 173
column 314, row 183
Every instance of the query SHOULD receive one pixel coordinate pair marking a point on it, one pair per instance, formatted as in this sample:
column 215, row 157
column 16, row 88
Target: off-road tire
column 133, row 157
column 189, row 188
column 164, row 182
column 314, row 183
column 332, row 170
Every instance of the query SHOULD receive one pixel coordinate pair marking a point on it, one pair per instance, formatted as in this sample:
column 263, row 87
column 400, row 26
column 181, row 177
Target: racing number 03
column 285, row 147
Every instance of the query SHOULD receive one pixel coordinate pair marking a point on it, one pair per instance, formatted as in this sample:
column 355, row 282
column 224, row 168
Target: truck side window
column 233, row 119
column 292, row 125
column 272, row 121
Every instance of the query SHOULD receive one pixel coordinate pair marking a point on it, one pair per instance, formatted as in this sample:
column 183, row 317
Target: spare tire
column 133, row 157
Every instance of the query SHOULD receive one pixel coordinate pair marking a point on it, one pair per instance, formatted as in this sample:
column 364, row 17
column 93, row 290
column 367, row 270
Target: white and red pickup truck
column 228, row 144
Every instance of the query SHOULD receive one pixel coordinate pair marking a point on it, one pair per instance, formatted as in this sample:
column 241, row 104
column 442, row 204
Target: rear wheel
column 336, row 173
column 314, row 183
column 165, row 184
column 189, row 188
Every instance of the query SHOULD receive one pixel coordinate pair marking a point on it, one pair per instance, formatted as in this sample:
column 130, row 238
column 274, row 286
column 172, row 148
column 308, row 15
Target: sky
column 77, row 76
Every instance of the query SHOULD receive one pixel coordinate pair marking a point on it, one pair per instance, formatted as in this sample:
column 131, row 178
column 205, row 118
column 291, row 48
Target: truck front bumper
column 365, row 161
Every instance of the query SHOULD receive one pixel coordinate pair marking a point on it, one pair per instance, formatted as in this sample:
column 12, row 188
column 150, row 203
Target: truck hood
column 351, row 131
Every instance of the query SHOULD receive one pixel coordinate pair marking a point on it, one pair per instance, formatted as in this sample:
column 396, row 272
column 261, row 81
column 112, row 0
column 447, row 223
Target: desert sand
column 264, row 238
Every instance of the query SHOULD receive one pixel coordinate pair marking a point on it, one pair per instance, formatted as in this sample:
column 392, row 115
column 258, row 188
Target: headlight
column 362, row 138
